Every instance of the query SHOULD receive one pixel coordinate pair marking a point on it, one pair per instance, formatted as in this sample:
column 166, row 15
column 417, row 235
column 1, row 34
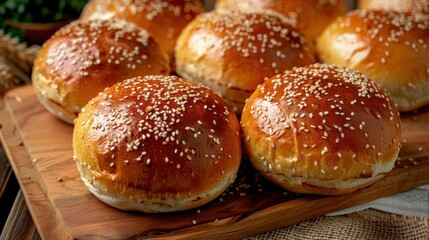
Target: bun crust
column 408, row 6
column 321, row 130
column 164, row 20
column 233, row 52
column 390, row 48
column 309, row 16
column 84, row 57
column 157, row 144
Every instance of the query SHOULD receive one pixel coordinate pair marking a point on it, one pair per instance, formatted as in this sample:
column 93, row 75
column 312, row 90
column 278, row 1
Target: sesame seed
column 325, row 150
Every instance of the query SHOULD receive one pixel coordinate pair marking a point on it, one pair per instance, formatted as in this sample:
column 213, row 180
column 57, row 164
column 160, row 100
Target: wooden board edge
column 36, row 199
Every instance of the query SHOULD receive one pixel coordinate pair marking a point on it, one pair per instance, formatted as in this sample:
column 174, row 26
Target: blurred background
column 33, row 21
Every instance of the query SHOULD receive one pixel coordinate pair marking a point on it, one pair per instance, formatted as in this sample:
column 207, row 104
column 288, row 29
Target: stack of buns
column 155, row 143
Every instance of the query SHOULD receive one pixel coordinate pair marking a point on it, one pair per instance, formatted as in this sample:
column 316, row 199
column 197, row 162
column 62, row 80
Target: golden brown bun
column 310, row 16
column 164, row 20
column 84, row 57
column 390, row 48
column 322, row 130
column 233, row 52
column 157, row 144
column 409, row 6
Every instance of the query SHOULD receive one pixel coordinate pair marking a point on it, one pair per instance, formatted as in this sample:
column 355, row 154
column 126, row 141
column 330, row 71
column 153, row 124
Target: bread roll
column 157, row 144
column 84, row 57
column 233, row 52
column 390, row 48
column 310, row 16
column 408, row 6
column 321, row 130
column 163, row 19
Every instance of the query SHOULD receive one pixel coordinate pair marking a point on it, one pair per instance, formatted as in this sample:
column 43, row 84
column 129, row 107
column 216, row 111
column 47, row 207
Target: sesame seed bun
column 409, row 6
column 84, row 57
column 164, row 20
column 309, row 16
column 157, row 144
column 322, row 130
column 391, row 48
column 233, row 52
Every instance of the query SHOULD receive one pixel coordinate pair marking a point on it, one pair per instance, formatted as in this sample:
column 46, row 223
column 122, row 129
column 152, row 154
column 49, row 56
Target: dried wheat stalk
column 18, row 53
column 7, row 79
column 16, row 61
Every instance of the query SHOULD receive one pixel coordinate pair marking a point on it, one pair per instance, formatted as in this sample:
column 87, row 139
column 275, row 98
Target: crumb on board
column 18, row 99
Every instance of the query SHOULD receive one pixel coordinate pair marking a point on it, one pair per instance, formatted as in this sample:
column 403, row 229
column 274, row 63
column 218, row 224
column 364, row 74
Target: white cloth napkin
column 414, row 202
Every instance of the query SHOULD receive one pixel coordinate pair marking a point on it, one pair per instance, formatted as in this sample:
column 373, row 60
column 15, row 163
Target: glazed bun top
column 163, row 19
column 408, row 6
column 323, row 125
column 232, row 52
column 84, row 57
column 160, row 141
column 310, row 16
column 391, row 48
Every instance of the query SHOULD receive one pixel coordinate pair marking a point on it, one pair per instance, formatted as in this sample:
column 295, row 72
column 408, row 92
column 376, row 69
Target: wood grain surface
column 40, row 150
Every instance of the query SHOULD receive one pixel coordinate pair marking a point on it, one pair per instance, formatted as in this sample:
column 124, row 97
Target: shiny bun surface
column 322, row 130
column 84, row 57
column 409, row 6
column 233, row 52
column 391, row 48
column 157, row 144
column 163, row 19
column 309, row 16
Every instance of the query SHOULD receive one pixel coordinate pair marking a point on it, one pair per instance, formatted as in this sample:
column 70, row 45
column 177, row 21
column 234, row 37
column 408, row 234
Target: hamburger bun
column 164, row 20
column 233, row 52
column 309, row 16
column 391, row 48
column 408, row 6
column 321, row 129
column 157, row 144
column 84, row 57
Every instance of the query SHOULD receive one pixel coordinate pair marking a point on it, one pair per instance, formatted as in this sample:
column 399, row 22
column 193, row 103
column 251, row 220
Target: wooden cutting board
column 40, row 150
